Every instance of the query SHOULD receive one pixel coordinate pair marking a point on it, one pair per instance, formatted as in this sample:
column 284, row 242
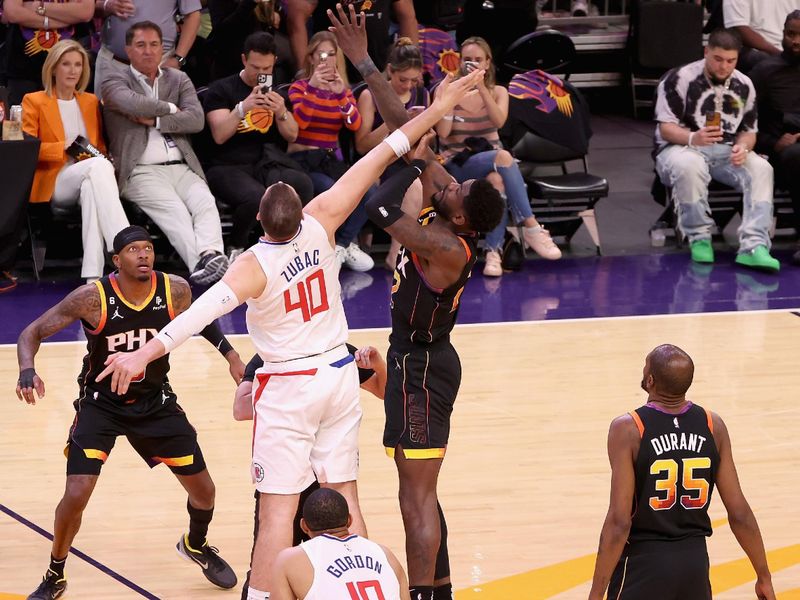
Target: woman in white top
column 59, row 115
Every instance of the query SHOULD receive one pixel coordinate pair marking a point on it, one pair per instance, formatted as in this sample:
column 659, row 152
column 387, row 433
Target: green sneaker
column 702, row 252
column 758, row 258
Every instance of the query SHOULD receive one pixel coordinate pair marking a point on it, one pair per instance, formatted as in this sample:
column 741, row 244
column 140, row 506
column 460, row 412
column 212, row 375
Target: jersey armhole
column 637, row 419
column 103, row 310
column 168, row 294
column 710, row 421
column 466, row 248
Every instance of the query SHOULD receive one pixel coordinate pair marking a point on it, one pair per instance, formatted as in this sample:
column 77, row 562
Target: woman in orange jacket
column 68, row 174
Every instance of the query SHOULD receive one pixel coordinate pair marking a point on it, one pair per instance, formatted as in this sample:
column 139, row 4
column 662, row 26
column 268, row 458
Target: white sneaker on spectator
column 354, row 258
column 580, row 8
column 538, row 238
column 234, row 253
column 494, row 264
column 209, row 269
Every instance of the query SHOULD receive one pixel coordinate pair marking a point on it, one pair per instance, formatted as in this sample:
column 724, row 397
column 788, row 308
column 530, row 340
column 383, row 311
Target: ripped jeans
column 688, row 171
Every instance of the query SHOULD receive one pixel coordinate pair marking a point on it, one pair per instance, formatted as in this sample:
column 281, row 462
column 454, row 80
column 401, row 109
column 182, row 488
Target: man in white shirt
column 761, row 26
column 150, row 112
column 334, row 563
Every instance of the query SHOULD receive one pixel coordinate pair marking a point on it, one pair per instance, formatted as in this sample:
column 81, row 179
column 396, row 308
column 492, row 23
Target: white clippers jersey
column 300, row 312
column 349, row 568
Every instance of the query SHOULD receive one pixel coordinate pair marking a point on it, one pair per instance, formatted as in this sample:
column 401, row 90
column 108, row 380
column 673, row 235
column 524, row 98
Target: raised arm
column 740, row 515
column 82, row 303
column 623, row 443
column 332, row 207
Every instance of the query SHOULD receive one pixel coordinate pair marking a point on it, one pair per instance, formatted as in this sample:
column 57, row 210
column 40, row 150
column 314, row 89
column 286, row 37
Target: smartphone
column 323, row 56
column 470, row 65
column 265, row 82
column 713, row 119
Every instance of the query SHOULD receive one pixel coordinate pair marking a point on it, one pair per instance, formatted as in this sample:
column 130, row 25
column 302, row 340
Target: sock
column 57, row 566
column 421, row 592
column 198, row 525
column 254, row 594
column 443, row 592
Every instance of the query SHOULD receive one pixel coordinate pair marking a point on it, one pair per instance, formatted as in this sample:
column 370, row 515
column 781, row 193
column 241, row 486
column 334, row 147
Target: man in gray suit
column 150, row 112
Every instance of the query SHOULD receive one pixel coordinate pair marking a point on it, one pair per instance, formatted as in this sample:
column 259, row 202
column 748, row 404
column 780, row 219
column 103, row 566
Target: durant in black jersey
column 666, row 458
column 424, row 373
column 120, row 313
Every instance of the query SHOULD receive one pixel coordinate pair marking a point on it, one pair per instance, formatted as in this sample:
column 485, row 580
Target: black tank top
column 421, row 313
column 675, row 473
column 125, row 327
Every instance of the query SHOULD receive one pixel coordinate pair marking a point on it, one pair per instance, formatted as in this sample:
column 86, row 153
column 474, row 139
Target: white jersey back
column 351, row 567
column 300, row 312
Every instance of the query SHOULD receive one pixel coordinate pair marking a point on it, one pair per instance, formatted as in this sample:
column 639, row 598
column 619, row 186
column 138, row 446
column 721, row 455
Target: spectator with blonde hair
column 322, row 103
column 470, row 144
column 61, row 114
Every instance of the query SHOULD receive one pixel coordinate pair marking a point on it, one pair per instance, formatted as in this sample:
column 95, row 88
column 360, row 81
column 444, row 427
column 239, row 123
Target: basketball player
column 121, row 312
column 666, row 457
column 335, row 564
column 371, row 377
column 306, row 414
column 424, row 370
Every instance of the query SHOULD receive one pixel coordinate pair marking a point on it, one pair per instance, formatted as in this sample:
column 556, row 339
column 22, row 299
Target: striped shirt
column 320, row 114
column 474, row 124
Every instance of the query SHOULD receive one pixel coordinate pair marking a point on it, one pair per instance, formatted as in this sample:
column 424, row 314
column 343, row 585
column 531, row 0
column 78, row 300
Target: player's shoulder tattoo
column 84, row 303
column 181, row 292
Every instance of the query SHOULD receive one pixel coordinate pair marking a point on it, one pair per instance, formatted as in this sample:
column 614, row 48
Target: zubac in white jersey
column 350, row 568
column 300, row 312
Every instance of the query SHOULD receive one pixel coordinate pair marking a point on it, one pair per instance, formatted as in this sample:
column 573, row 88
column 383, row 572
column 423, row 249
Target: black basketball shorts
column 662, row 570
column 421, row 388
column 156, row 428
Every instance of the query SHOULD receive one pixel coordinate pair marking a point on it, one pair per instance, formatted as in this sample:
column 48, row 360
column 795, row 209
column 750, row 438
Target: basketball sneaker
column 52, row 587
column 216, row 570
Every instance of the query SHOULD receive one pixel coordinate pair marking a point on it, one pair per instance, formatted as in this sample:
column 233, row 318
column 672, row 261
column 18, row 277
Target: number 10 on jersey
column 311, row 296
column 362, row 589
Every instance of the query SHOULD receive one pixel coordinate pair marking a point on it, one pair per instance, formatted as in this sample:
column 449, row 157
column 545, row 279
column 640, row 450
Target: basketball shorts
column 157, row 429
column 306, row 415
column 657, row 570
column 421, row 388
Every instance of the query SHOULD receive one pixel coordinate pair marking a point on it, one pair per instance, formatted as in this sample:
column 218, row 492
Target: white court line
column 525, row 323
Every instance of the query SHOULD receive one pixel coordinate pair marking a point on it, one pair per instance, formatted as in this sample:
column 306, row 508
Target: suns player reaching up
column 121, row 312
column 666, row 457
column 306, row 409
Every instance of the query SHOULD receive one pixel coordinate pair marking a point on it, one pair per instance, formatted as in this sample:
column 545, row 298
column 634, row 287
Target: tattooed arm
column 82, row 303
column 181, row 300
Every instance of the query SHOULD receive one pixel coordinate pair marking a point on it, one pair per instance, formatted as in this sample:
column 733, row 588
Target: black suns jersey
column 125, row 327
column 675, row 473
column 421, row 313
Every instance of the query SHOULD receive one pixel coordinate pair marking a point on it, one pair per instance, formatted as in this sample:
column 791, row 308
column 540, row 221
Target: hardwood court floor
column 525, row 482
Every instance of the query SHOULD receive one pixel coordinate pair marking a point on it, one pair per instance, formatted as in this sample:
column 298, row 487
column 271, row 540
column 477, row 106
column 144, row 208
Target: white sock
column 254, row 594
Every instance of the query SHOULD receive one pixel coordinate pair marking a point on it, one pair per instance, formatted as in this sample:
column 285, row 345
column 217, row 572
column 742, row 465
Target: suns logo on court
column 258, row 119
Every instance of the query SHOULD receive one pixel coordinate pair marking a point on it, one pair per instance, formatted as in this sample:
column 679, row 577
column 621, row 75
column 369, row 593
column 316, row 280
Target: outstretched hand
column 350, row 32
column 449, row 93
column 123, row 367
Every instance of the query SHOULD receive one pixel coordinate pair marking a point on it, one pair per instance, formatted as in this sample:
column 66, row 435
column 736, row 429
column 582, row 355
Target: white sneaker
column 494, row 264
column 580, row 8
column 538, row 238
column 234, row 253
column 354, row 258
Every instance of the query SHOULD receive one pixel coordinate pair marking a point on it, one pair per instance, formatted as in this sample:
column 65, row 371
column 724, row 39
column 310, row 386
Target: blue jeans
column 479, row 166
column 688, row 171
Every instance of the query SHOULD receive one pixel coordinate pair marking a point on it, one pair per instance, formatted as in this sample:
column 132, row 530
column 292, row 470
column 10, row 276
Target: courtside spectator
column 760, row 24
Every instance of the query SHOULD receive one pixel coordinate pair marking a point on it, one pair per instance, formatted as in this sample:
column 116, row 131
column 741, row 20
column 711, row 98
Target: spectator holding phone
column 404, row 72
column 323, row 103
column 707, row 123
column 251, row 125
column 470, row 144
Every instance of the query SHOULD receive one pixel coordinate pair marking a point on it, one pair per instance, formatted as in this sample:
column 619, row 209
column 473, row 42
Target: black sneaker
column 210, row 268
column 51, row 587
column 216, row 570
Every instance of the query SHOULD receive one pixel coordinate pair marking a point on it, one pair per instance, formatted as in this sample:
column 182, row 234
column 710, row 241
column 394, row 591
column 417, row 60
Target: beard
column 439, row 205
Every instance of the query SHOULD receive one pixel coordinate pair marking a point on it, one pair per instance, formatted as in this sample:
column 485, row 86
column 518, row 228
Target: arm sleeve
column 384, row 206
column 48, row 151
column 213, row 334
column 350, row 113
column 363, row 374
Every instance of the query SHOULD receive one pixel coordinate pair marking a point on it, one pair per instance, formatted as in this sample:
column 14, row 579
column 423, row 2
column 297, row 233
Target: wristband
column 398, row 142
column 240, row 110
column 105, row 6
column 26, row 378
column 46, row 23
column 689, row 142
